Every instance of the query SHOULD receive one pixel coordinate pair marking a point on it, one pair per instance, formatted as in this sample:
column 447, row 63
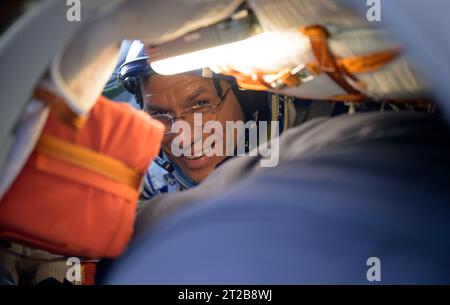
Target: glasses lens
column 208, row 113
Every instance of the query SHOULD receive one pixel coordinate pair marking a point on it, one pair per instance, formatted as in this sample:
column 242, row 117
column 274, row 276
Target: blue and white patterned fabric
column 159, row 180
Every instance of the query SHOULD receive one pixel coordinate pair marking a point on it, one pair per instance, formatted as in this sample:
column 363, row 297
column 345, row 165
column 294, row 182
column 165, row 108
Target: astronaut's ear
column 131, row 84
column 130, row 75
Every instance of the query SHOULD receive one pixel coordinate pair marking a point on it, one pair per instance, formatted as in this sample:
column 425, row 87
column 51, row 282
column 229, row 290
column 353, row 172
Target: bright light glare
column 267, row 52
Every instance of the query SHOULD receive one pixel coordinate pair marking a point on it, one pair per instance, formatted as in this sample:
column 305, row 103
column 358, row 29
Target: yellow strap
column 89, row 160
column 346, row 98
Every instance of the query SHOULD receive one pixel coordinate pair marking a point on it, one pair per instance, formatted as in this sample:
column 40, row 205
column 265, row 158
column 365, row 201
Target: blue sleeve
column 316, row 220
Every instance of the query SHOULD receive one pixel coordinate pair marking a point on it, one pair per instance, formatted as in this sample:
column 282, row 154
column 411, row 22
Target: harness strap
column 88, row 159
column 59, row 108
column 326, row 62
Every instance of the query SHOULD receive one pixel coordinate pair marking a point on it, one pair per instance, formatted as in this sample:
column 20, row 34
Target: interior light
column 268, row 52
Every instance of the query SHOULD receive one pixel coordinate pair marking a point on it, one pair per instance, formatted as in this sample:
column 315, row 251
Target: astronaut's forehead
column 159, row 84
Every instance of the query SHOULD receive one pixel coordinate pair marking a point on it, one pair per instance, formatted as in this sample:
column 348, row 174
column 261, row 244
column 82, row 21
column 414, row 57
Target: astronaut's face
column 181, row 96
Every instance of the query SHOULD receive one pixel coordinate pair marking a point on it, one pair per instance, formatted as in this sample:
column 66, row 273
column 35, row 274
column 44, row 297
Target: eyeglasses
column 208, row 109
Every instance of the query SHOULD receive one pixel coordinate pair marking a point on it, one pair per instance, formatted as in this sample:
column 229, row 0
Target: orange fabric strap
column 59, row 108
column 338, row 69
column 89, row 159
column 89, row 272
column 346, row 98
column 361, row 63
column 370, row 62
column 249, row 82
column 326, row 62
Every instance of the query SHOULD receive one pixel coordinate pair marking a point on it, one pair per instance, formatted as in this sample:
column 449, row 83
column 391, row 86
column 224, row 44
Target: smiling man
column 204, row 144
column 180, row 97
column 233, row 121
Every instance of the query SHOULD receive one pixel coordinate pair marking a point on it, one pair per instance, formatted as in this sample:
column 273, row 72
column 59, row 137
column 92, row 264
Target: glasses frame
column 172, row 119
